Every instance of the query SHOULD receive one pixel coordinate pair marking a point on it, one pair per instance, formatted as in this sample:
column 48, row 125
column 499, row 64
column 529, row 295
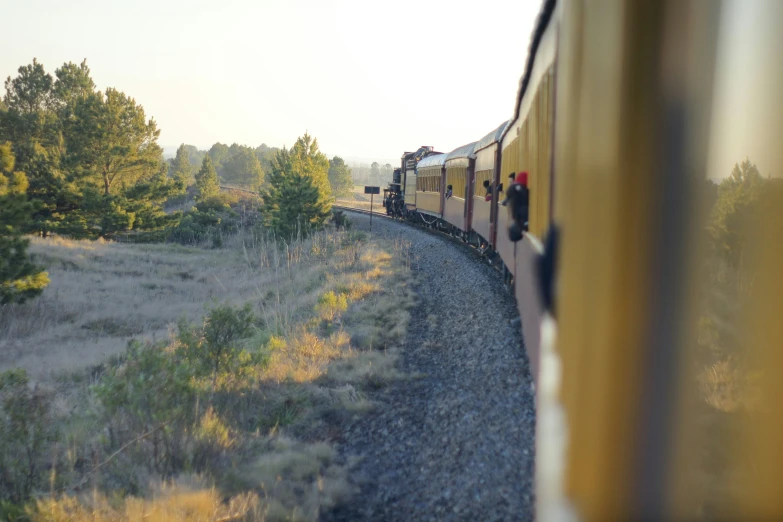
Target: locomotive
column 613, row 123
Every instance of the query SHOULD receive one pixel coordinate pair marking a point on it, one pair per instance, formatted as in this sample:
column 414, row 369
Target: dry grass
column 169, row 503
column 332, row 311
column 103, row 294
column 377, row 204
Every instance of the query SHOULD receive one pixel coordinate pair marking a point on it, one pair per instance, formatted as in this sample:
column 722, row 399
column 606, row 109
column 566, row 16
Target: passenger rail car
column 617, row 122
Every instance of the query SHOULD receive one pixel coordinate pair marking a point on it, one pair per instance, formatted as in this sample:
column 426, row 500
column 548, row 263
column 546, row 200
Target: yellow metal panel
column 604, row 270
column 429, row 201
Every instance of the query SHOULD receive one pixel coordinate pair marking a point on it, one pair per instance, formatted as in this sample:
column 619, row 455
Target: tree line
column 374, row 174
column 84, row 163
column 237, row 165
column 246, row 167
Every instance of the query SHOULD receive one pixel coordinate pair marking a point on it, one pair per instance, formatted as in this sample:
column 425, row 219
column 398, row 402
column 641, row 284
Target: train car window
column 456, row 176
column 478, row 184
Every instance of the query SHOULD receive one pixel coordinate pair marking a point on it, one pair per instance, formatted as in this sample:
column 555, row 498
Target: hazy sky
column 368, row 79
column 361, row 76
column 748, row 102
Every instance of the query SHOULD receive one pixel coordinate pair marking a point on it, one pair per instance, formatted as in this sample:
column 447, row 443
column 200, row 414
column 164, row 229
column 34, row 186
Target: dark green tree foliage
column 216, row 348
column 73, row 83
column 26, row 429
column 298, row 199
column 110, row 138
column 243, row 169
column 29, row 118
column 340, row 178
column 88, row 155
column 181, row 168
column 20, row 279
column 207, row 180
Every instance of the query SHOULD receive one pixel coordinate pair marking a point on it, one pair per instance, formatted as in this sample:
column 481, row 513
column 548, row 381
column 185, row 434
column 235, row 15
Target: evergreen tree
column 110, row 136
column 196, row 156
column 91, row 159
column 20, row 279
column 244, row 169
column 219, row 155
column 181, row 169
column 736, row 203
column 298, row 198
column 207, row 180
column 33, row 125
column 307, row 159
column 265, row 155
column 340, row 178
column 73, row 83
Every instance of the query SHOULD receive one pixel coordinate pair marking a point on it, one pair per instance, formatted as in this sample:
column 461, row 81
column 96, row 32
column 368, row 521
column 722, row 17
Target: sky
column 368, row 79
column 747, row 106
column 365, row 78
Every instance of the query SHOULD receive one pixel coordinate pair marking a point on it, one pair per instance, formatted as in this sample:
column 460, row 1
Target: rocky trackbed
column 456, row 442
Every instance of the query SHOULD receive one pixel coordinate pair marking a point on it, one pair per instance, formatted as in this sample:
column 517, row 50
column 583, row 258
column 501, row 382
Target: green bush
column 340, row 220
column 210, row 225
column 150, row 397
column 26, row 431
column 215, row 349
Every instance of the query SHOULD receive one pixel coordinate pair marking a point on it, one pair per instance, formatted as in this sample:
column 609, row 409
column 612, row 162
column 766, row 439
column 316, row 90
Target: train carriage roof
column 544, row 17
column 436, row 160
column 466, row 151
column 492, row 137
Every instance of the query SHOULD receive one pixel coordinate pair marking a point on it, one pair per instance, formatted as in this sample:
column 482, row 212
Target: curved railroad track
column 456, row 441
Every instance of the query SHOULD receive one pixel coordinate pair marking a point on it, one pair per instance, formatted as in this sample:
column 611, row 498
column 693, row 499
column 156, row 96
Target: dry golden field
column 361, row 200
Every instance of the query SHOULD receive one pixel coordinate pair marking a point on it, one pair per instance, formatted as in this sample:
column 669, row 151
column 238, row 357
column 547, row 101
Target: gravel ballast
column 457, row 441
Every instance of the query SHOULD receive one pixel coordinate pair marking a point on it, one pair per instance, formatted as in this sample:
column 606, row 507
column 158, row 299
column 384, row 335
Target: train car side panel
column 454, row 212
column 528, row 301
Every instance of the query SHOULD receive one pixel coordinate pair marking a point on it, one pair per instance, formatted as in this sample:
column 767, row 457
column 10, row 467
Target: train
column 615, row 126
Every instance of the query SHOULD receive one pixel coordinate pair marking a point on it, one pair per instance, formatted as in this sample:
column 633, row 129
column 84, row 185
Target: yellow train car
column 649, row 280
column 459, row 165
column 430, row 182
column 487, row 168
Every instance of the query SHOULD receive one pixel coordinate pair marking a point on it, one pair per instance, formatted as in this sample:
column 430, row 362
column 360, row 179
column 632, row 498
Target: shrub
column 215, row 348
column 340, row 220
column 209, row 225
column 330, row 305
column 150, row 398
column 26, row 429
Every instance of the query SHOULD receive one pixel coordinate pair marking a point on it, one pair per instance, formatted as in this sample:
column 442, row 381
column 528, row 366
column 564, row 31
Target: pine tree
column 296, row 201
column 20, row 279
column 207, row 180
column 308, row 160
column 340, row 178
column 243, row 169
column 181, row 169
column 91, row 158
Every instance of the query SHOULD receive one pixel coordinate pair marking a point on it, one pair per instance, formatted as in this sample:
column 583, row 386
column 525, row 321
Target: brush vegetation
column 167, row 382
